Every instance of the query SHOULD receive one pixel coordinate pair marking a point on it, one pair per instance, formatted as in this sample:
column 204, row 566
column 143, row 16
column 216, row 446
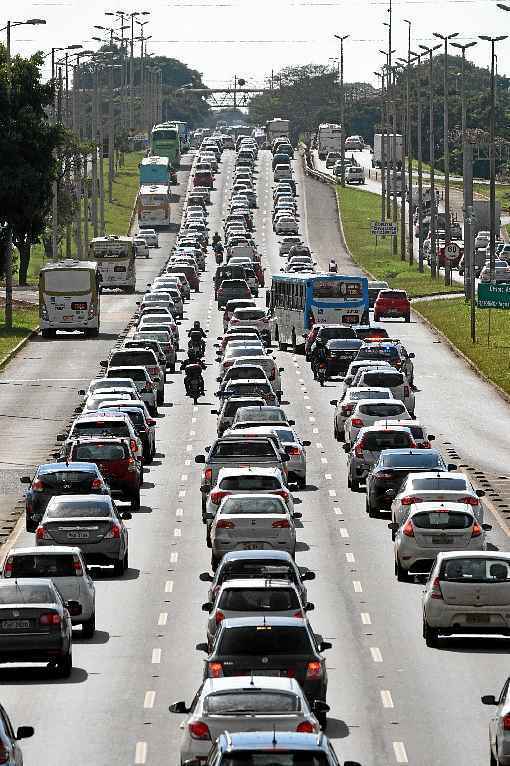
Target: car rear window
column 133, row 374
column 126, row 358
column 400, row 294
column 244, row 448
column 43, row 565
column 383, row 379
column 270, row 568
column 257, row 701
column 233, row 283
column 387, row 440
column 265, row 640
column 354, row 395
column 89, row 452
column 253, row 505
column 250, row 314
column 232, row 407
column 378, row 352
column 258, row 599
column 382, row 410
column 262, row 413
column 426, row 460
column 56, row 478
column 245, row 371
column 455, row 485
column 63, row 509
column 442, row 519
column 101, row 428
column 240, row 386
column 475, row 570
column 26, row 594
column 249, row 482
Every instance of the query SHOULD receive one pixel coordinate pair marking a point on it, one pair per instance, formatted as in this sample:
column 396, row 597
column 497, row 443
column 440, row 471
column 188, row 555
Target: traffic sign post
column 451, row 251
column 383, row 228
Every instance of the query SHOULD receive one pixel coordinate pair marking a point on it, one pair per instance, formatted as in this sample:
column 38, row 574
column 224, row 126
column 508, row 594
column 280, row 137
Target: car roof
column 253, row 683
column 266, row 620
column 379, row 428
column 249, row 469
column 442, row 555
column 53, row 550
column 262, row 553
column 71, row 466
column 271, row 740
column 416, row 451
column 21, row 581
column 435, row 505
column 258, row 582
column 77, row 499
column 378, row 401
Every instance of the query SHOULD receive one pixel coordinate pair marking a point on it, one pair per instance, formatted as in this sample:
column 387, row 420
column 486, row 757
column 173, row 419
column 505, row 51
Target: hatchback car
column 340, row 352
column 393, row 379
column 249, row 387
column 91, row 521
column 344, row 407
column 499, row 726
column 141, row 376
column 247, row 480
column 368, row 411
column 9, row 738
column 229, row 408
column 467, row 592
column 369, row 444
column 230, row 289
column 326, row 332
column 392, row 303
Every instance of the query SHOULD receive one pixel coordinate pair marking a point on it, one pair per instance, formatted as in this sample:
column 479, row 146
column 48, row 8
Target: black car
column 364, row 331
column 340, row 352
column 35, row 624
column 373, row 291
column 392, row 468
column 52, row 479
column 286, row 646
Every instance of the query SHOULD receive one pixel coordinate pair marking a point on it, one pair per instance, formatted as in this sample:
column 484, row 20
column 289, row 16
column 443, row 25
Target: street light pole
column 419, row 158
column 383, row 137
column 433, row 203
column 342, row 107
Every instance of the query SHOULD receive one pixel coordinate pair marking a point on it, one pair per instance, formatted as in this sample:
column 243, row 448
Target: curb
column 12, row 353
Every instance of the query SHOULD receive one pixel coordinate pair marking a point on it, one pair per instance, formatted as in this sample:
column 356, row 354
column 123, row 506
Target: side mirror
column 281, row 369
column 25, row 480
column 291, row 422
column 126, row 515
column 138, row 303
column 309, row 607
column 452, row 467
column 81, row 392
column 199, row 458
column 205, row 577
column 215, row 412
column 74, row 608
column 24, row 732
column 489, row 699
column 285, row 458
column 151, row 421
column 346, row 448
column 325, row 645
column 209, row 516
column 308, row 575
column 306, row 443
column 202, row 648
column 61, row 437
column 411, row 355
column 319, row 706
column 487, row 527
column 207, row 606
column 431, row 437
column 393, row 526
column 297, row 515
column 479, row 492
column 104, row 363
column 333, row 402
column 178, row 707
column 391, row 493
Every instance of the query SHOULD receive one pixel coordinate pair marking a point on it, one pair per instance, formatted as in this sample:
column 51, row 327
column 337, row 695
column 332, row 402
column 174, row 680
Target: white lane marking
column 332, row 493
column 140, row 753
column 162, row 619
column 193, row 420
column 150, row 698
column 365, row 618
column 156, row 656
column 324, row 460
column 182, row 493
column 301, row 379
column 187, row 462
column 338, row 511
column 357, row 586
column 184, row 477
column 386, row 698
column 189, row 447
column 308, row 407
column 376, row 654
column 318, row 445
column 400, row 752
column 169, row 586
column 179, row 512
column 315, row 430
column 173, row 557
column 177, row 532
column 344, row 532
column 192, row 433
column 311, row 419
column 327, row 476
column 306, row 396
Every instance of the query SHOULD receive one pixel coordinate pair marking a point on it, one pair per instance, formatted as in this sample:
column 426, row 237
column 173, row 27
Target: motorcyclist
column 219, row 250
column 318, row 355
column 333, row 265
column 197, row 329
column 193, row 369
column 216, row 238
column 196, row 336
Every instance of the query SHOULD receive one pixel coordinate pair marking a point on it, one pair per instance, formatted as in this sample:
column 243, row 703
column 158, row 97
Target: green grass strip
column 24, row 320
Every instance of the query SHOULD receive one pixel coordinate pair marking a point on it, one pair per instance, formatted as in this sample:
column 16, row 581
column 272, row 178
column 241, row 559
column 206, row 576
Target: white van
column 354, row 174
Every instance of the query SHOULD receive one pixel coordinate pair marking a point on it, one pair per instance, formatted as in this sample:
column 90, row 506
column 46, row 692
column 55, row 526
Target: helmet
column 196, row 324
column 319, row 341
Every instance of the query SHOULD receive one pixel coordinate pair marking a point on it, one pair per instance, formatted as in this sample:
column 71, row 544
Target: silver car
column 262, row 703
column 229, row 408
column 499, row 725
column 241, row 481
column 467, row 592
column 147, row 390
column 90, row 521
column 429, row 529
column 66, row 566
column 252, row 522
column 369, row 444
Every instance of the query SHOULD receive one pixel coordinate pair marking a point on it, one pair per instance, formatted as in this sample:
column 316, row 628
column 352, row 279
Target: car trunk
column 22, row 619
column 70, row 531
column 251, row 531
column 237, row 722
column 284, row 665
column 451, row 531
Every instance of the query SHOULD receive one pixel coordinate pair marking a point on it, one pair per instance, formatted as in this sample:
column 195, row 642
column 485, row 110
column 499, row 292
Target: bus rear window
column 330, row 288
column 67, row 282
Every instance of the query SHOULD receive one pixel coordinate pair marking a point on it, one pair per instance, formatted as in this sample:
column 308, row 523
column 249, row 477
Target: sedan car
column 283, row 645
column 467, row 592
column 392, row 303
column 264, row 703
column 150, row 236
column 230, row 289
column 429, row 528
column 340, row 352
column 251, row 522
column 368, row 411
column 92, row 522
column 501, row 272
column 247, row 480
column 35, row 624
column 286, row 224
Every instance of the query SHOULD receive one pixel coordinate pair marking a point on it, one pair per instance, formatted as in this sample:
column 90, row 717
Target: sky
column 250, row 38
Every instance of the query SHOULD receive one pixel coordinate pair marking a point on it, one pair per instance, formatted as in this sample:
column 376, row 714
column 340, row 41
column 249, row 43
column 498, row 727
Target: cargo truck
column 377, row 157
column 276, row 128
column 329, row 139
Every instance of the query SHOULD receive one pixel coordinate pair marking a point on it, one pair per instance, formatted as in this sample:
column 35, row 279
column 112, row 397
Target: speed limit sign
column 451, row 251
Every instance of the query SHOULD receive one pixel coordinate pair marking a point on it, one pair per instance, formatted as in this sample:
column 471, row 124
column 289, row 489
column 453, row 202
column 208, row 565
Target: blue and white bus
column 297, row 301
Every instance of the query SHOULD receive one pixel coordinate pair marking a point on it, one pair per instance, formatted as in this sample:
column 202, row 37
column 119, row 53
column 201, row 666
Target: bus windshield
column 67, row 281
column 165, row 135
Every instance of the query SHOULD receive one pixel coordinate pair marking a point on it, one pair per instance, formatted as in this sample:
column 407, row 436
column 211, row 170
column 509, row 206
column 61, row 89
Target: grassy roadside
column 451, row 316
column 358, row 209
column 24, row 320
column 117, row 213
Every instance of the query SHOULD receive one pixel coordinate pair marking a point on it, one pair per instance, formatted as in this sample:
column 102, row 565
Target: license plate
column 478, row 619
column 15, row 624
column 67, row 318
column 442, row 540
column 259, row 672
column 78, row 535
column 392, row 312
column 252, row 546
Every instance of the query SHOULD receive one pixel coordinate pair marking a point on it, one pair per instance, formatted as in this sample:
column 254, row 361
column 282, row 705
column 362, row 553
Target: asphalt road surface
column 392, row 699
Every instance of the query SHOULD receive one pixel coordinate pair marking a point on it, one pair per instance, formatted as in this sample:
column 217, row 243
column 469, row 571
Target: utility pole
column 111, row 133
column 410, row 246
column 342, row 108
column 419, row 157
column 433, row 203
column 383, row 137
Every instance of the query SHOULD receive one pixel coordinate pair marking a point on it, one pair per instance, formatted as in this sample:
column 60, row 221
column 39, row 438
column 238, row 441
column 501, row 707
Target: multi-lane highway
column 392, row 699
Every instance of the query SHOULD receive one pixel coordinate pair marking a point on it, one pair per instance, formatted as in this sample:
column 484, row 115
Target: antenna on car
column 252, row 682
column 274, row 736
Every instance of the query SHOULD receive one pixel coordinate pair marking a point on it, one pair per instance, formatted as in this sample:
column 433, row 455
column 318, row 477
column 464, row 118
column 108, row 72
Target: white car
column 431, row 528
column 369, row 411
column 122, row 385
column 263, row 703
column 422, row 439
column 251, row 317
column 431, row 486
column 66, row 566
column 141, row 247
column 394, row 380
column 287, row 242
column 146, row 388
column 467, row 592
column 354, row 367
column 286, row 225
column 270, row 367
column 251, row 522
column 345, row 406
column 499, row 731
column 150, row 236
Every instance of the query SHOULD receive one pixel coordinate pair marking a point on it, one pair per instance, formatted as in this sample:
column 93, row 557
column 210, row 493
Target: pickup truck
column 238, row 452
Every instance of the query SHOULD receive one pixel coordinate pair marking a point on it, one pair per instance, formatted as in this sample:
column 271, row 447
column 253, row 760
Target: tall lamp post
column 383, row 176
column 492, row 156
column 389, row 160
column 342, row 107
column 8, row 244
column 132, row 16
column 432, row 152
column 143, row 50
column 446, row 151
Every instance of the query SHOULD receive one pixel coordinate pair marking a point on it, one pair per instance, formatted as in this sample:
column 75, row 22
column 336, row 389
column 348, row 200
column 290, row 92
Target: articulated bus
column 153, row 206
column 69, row 297
column 154, row 170
column 297, row 301
column 166, row 142
column 115, row 258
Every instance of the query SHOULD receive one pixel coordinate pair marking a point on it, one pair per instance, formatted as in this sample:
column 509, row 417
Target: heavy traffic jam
column 222, row 331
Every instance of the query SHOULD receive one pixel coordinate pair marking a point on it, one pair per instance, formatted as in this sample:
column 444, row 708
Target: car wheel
column 48, row 333
column 119, row 568
column 355, row 485
column 376, row 317
column 431, row 636
column 89, row 626
column 301, row 482
column 407, row 317
column 135, row 501
column 161, row 397
column 401, row 573
column 64, row 666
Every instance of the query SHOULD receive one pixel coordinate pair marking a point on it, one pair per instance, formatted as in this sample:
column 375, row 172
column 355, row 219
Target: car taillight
column 347, row 409
column 313, row 671
column 299, row 614
column 78, row 569
column 131, row 464
column 4, row 754
column 305, row 726
column 358, row 449
column 505, row 722
column 215, row 669
column 436, row 589
column 282, row 493
column 294, row 451
column 40, row 533
column 217, row 496
column 219, row 617
column 8, row 573
column 220, row 290
column 281, row 524
column 208, row 475
column 357, row 422
column 408, row 528
column 50, row 618
column 424, row 445
column 91, row 311
column 468, row 500
column 384, row 475
column 477, row 530
column 410, row 500
column 133, row 445
column 272, row 376
column 148, row 387
column 37, row 485
column 234, row 321
column 114, row 532
column 199, row 730
column 96, row 484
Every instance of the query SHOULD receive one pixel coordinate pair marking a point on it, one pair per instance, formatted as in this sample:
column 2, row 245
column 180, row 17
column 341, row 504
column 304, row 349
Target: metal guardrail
column 310, row 171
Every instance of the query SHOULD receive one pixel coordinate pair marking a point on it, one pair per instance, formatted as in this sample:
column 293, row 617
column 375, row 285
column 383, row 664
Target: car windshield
column 82, row 509
column 249, row 482
column 246, row 371
column 259, row 568
column 14, row 593
column 245, row 351
column 93, row 452
column 258, row 600
column 282, row 757
column 231, row 407
column 438, row 483
column 43, row 565
column 382, row 410
column 424, row 460
column 265, row 640
column 261, row 413
column 378, row 352
column 252, row 506
column 354, row 394
column 483, row 570
column 442, row 519
column 383, row 379
column 244, row 448
column 256, row 701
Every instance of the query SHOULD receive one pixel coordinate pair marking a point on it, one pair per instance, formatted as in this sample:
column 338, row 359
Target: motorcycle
column 194, row 382
column 321, row 372
column 195, row 351
column 333, row 268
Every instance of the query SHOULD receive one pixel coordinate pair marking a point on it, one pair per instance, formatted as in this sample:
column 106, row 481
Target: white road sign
column 451, row 251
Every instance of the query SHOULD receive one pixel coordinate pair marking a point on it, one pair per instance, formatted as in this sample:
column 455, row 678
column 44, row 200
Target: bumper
column 37, row 647
column 219, row 548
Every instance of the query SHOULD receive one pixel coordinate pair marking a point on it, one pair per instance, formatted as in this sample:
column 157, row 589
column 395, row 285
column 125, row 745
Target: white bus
column 69, row 297
column 115, row 258
column 154, row 205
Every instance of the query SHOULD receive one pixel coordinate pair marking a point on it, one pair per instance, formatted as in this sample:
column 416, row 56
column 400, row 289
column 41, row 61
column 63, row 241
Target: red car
column 392, row 303
column 203, row 178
